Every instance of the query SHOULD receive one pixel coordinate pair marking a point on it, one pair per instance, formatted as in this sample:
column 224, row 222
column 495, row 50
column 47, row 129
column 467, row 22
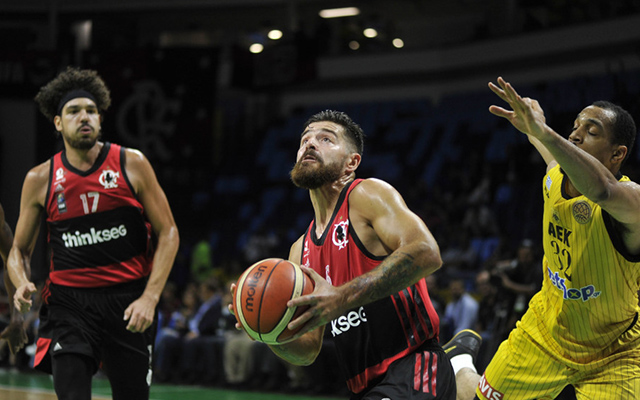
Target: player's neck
column 82, row 159
column 324, row 200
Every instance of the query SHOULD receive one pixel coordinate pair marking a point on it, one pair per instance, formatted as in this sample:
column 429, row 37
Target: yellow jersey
column 587, row 308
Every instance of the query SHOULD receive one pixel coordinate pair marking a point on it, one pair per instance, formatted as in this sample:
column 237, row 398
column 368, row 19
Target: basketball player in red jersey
column 102, row 204
column 368, row 255
column 14, row 333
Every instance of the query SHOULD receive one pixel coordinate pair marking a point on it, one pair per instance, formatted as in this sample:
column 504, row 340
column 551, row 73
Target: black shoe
column 464, row 342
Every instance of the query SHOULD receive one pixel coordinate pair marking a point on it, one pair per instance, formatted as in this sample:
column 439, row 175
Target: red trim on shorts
column 135, row 268
column 359, row 382
column 434, row 373
column 42, row 347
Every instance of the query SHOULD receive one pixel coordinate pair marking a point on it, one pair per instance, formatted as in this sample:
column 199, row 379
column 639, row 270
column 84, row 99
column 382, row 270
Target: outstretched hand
column 526, row 114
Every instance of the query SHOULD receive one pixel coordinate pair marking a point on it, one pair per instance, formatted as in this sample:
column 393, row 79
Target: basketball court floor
column 38, row 386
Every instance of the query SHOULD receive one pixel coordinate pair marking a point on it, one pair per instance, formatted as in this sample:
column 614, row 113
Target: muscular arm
column 414, row 252
column 589, row 176
column 384, row 224
column 31, row 208
column 19, row 257
column 141, row 312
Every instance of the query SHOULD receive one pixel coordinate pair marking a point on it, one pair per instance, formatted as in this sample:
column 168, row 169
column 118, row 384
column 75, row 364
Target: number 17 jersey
column 97, row 230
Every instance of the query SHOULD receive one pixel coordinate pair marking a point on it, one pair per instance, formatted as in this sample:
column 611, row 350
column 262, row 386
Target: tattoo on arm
column 395, row 273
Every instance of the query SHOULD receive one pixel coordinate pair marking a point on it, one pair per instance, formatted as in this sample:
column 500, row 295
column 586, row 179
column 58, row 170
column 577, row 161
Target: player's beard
column 84, row 143
column 314, row 175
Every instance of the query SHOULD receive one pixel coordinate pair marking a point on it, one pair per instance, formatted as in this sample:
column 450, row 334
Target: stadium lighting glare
column 398, row 43
column 370, row 33
column 274, row 34
column 339, row 12
column 256, row 48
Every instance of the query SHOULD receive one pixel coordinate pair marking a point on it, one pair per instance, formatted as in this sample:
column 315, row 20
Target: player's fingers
column 22, row 304
column 495, row 89
column 301, row 320
column 500, row 112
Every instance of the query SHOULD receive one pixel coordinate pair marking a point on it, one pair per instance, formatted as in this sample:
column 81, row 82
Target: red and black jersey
column 97, row 230
column 370, row 338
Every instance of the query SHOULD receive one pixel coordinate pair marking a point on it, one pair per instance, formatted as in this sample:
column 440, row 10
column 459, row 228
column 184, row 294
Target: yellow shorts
column 521, row 369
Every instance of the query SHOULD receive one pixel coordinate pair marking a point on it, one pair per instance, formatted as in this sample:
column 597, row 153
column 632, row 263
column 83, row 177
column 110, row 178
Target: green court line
column 41, row 383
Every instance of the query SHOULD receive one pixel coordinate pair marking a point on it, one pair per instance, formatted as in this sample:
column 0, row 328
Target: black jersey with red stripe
column 97, row 230
column 370, row 338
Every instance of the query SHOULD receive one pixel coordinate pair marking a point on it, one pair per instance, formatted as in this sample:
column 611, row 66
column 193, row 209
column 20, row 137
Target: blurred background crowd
column 221, row 124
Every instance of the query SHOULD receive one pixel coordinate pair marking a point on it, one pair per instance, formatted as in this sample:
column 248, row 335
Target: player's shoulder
column 374, row 184
column 373, row 188
column 39, row 173
column 134, row 155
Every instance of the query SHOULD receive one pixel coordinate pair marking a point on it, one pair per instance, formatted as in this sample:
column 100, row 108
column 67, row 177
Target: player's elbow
column 430, row 256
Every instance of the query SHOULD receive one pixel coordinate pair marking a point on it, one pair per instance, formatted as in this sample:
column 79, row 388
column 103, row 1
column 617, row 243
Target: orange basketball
column 261, row 297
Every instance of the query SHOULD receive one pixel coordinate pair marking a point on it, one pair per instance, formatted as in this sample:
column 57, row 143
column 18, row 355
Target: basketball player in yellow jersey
column 582, row 328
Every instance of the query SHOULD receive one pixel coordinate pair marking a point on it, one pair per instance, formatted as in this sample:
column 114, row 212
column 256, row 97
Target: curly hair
column 72, row 78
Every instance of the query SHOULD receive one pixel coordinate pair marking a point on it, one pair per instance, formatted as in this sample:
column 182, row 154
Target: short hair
column 623, row 127
column 354, row 132
column 50, row 95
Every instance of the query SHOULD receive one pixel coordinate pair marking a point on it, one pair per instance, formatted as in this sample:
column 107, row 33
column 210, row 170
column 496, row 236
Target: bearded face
column 311, row 172
column 83, row 142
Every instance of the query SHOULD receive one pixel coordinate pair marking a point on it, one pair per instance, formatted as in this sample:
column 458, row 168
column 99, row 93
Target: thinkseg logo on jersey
column 339, row 236
column 109, row 179
column 78, row 239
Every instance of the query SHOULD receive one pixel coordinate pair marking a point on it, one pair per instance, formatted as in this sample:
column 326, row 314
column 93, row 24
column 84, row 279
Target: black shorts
column 423, row 375
column 90, row 322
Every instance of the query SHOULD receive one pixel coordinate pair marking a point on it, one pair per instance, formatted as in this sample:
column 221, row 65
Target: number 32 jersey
column 588, row 305
column 97, row 230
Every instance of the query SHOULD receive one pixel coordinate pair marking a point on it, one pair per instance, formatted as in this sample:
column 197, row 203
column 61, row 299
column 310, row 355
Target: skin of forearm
column 167, row 249
column 399, row 270
column 18, row 267
column 302, row 352
column 589, row 176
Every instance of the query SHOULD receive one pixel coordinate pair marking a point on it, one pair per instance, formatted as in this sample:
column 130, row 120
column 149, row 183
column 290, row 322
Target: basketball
column 261, row 297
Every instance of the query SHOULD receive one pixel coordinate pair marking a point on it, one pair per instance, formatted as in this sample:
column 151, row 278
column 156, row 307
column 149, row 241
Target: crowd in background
column 476, row 185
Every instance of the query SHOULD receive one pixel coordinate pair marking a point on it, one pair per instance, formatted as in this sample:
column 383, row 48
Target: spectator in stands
column 520, row 278
column 200, row 358
column 169, row 336
column 461, row 311
column 488, row 314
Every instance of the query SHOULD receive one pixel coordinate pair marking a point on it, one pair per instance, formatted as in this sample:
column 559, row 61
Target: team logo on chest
column 109, row 179
column 60, row 176
column 581, row 212
column 339, row 235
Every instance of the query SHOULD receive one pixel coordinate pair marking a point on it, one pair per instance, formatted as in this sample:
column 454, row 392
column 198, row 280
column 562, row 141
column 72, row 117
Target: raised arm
column 141, row 312
column 588, row 174
column 385, row 226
